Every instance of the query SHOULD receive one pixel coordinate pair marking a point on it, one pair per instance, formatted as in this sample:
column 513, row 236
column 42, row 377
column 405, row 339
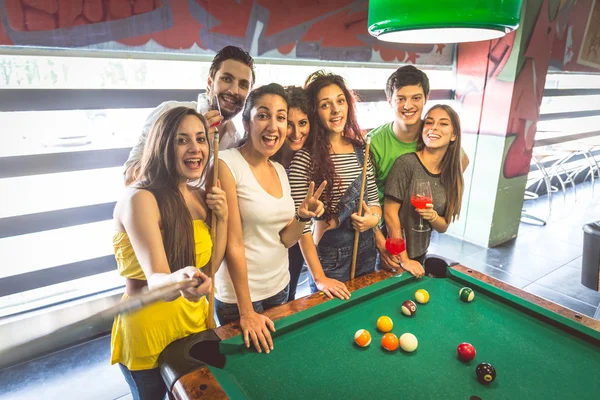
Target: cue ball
column 385, row 324
column 486, row 373
column 466, row 294
column 408, row 342
column 389, row 341
column 409, row 308
column 362, row 337
column 422, row 296
column 465, row 351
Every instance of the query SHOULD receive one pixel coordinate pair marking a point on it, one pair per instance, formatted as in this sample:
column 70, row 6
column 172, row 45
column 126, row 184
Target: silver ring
column 211, row 196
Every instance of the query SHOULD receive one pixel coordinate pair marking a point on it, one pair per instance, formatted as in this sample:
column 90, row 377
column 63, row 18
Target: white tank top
column 263, row 217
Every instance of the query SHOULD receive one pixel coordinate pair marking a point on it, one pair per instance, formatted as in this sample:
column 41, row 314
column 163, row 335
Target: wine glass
column 420, row 197
column 208, row 103
column 395, row 245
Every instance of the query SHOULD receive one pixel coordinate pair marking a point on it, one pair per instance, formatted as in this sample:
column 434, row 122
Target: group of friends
column 287, row 195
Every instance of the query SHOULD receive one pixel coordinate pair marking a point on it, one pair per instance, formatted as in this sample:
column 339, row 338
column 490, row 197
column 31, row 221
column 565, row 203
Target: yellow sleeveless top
column 138, row 338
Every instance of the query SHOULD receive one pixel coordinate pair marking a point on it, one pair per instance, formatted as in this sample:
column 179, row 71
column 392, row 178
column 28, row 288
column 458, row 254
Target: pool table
column 539, row 349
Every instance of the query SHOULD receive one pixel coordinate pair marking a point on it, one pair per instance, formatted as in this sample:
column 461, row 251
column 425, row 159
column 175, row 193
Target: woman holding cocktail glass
column 424, row 189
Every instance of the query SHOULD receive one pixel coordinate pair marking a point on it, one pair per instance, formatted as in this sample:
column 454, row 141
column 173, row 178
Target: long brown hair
column 322, row 165
column 450, row 166
column 296, row 98
column 158, row 174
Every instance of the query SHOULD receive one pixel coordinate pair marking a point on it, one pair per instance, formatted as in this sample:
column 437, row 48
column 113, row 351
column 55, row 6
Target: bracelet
column 434, row 218
column 298, row 218
column 378, row 218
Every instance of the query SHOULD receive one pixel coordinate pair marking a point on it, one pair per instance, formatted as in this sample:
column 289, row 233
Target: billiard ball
column 486, row 373
column 408, row 342
column 389, row 341
column 465, row 351
column 466, row 294
column 409, row 308
column 422, row 296
column 362, row 337
column 385, row 324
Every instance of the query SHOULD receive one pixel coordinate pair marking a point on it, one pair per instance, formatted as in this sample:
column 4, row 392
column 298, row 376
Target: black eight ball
column 486, row 373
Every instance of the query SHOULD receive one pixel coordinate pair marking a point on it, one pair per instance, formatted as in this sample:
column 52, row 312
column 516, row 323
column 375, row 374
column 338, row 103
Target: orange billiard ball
column 389, row 341
column 362, row 337
column 384, row 324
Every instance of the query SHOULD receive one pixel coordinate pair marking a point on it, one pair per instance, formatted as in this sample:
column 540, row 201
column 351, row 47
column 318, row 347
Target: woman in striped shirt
column 336, row 156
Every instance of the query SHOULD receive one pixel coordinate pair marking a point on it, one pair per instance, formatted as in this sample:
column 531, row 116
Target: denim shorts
column 229, row 312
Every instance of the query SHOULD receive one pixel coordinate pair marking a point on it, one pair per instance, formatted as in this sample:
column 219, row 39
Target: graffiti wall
column 311, row 29
column 501, row 83
column 500, row 86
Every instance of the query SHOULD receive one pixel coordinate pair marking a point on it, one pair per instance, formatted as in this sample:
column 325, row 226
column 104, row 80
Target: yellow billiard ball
column 422, row 296
column 362, row 337
column 385, row 324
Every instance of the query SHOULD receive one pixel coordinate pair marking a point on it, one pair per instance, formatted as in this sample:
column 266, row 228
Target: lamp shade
column 442, row 21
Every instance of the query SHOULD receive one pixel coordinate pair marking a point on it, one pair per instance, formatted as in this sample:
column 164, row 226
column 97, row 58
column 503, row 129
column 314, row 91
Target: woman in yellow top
column 161, row 238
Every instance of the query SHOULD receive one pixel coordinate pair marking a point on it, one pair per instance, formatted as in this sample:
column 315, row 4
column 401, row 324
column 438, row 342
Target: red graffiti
column 43, row 15
column 183, row 34
column 233, row 16
column 346, row 25
column 527, row 97
column 284, row 15
column 389, row 54
column 337, row 27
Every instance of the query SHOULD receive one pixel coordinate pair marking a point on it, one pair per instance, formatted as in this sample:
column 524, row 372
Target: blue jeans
column 145, row 384
column 229, row 312
column 336, row 245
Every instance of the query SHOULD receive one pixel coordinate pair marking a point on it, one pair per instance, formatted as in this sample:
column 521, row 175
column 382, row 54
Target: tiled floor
column 544, row 260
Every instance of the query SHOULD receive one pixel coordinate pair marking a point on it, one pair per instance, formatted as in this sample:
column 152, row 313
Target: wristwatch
column 300, row 219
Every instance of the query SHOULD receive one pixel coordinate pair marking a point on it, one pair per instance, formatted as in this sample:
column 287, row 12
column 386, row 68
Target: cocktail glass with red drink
column 395, row 246
column 419, row 198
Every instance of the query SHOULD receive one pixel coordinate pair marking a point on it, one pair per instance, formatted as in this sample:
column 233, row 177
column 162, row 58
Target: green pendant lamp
column 442, row 21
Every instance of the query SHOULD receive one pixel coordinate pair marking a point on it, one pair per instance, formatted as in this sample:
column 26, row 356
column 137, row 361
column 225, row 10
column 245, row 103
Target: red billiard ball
column 466, row 351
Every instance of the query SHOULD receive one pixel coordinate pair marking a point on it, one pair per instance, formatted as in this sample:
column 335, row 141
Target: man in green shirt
column 407, row 91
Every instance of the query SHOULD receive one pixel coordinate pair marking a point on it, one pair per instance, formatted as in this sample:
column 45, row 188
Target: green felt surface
column 315, row 356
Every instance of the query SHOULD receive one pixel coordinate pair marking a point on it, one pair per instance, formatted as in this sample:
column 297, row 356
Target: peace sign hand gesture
column 311, row 206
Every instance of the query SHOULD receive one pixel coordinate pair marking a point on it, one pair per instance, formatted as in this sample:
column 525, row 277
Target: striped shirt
column 347, row 169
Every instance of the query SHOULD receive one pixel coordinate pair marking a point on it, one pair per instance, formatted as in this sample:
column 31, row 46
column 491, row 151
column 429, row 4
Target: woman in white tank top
column 263, row 222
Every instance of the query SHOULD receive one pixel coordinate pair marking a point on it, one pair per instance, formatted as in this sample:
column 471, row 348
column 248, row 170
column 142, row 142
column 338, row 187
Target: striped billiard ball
column 409, row 308
column 466, row 294
column 362, row 338
column 422, row 296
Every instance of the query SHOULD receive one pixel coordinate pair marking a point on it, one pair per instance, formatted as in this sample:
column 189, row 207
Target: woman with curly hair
column 336, row 156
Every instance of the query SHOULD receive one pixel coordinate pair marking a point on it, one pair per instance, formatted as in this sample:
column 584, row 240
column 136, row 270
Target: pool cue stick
column 77, row 331
column 213, row 233
column 362, row 190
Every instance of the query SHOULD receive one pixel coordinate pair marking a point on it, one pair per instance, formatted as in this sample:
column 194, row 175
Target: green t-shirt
column 385, row 149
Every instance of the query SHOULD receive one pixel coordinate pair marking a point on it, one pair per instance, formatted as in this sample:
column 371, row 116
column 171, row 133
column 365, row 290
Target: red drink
column 395, row 246
column 420, row 202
